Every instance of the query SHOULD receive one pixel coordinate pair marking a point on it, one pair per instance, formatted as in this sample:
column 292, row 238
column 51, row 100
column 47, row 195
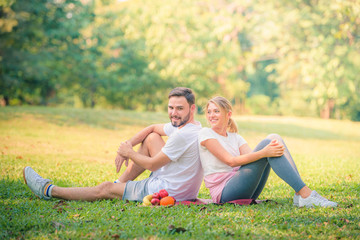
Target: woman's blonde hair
column 225, row 106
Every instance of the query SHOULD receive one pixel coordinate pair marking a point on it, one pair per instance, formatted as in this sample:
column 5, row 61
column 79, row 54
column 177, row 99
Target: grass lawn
column 77, row 147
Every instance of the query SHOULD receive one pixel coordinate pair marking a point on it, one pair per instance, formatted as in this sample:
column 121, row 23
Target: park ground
column 77, row 147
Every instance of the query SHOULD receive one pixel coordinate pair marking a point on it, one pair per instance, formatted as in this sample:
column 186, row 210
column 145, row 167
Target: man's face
column 179, row 111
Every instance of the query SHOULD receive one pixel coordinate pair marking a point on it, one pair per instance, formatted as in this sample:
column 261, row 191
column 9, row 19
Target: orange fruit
column 166, row 201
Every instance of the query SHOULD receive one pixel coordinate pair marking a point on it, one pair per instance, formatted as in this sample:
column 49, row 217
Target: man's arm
column 140, row 136
column 150, row 163
column 135, row 140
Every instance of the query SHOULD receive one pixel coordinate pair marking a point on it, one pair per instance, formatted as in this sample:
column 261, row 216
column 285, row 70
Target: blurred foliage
column 269, row 57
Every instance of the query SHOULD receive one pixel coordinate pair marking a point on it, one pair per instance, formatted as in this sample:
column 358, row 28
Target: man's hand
column 119, row 160
column 125, row 149
column 123, row 155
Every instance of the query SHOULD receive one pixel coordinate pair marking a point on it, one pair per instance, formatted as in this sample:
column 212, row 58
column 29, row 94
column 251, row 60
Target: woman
column 233, row 171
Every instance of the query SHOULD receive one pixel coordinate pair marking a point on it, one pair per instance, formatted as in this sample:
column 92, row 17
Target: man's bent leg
column 149, row 147
column 105, row 190
column 132, row 171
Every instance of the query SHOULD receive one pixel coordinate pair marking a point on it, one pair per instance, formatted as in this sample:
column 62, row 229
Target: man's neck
column 188, row 122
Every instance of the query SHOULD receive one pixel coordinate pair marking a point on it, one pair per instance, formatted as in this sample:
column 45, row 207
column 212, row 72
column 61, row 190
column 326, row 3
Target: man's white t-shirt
column 182, row 177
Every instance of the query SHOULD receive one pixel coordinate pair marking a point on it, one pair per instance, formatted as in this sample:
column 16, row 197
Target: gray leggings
column 250, row 179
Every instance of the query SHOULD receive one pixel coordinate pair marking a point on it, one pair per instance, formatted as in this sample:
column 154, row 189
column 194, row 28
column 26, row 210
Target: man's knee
column 152, row 144
column 104, row 190
column 152, row 137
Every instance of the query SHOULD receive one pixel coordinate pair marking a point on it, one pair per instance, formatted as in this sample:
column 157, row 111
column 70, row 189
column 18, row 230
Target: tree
column 38, row 48
column 316, row 50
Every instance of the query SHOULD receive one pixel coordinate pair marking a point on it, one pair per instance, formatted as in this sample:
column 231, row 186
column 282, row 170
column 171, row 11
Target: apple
column 156, row 195
column 155, row 201
column 163, row 193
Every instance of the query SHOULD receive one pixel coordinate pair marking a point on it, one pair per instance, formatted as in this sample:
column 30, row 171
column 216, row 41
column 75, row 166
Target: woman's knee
column 262, row 144
column 273, row 136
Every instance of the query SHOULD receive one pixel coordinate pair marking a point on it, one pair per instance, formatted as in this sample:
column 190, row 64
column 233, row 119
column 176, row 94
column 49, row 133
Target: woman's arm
column 245, row 149
column 273, row 149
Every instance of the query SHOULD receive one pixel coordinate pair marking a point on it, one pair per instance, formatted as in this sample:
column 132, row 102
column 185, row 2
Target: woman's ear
column 229, row 114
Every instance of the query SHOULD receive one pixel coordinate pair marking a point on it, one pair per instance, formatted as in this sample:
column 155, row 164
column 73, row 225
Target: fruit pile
column 161, row 198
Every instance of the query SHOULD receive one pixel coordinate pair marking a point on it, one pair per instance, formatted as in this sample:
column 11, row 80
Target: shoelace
column 39, row 180
column 321, row 197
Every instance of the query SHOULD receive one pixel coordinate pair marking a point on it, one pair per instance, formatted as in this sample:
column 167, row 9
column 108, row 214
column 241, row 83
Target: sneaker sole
column 26, row 181
column 24, row 175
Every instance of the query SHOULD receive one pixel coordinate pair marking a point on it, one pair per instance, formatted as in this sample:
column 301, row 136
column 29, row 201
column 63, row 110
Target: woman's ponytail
column 232, row 127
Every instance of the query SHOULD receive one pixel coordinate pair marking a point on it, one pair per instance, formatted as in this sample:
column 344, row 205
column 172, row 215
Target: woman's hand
column 274, row 149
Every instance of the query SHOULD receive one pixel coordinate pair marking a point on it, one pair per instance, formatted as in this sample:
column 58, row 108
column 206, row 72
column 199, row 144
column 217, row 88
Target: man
column 175, row 165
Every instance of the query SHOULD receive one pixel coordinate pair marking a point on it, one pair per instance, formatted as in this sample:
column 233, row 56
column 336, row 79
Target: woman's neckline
column 227, row 134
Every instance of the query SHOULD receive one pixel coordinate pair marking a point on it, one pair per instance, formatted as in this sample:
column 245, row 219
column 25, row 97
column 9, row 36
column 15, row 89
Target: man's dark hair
column 183, row 92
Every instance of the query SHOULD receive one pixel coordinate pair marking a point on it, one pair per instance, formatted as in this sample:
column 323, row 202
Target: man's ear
column 193, row 108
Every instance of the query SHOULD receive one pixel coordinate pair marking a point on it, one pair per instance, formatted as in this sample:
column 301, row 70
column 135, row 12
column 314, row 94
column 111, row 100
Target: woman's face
column 216, row 117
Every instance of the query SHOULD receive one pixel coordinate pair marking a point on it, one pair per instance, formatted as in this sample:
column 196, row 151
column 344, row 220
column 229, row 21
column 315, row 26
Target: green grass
column 76, row 147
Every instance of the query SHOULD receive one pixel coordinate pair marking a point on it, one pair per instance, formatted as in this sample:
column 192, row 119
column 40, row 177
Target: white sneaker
column 315, row 200
column 35, row 182
column 296, row 200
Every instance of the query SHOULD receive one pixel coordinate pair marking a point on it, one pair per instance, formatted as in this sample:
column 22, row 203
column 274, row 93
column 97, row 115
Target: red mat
column 209, row 201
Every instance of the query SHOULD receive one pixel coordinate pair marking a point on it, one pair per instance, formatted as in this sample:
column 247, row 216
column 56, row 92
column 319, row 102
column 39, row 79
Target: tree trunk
column 328, row 111
column 4, row 101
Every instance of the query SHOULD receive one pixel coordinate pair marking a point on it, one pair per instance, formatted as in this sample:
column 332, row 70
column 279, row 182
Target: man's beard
column 187, row 117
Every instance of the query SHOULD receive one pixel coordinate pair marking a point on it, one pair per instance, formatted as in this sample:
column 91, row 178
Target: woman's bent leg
column 251, row 178
column 262, row 183
column 245, row 182
column 285, row 167
column 287, row 152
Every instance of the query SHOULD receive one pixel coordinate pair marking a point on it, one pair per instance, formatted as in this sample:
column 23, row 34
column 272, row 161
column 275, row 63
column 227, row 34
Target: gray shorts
column 136, row 190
